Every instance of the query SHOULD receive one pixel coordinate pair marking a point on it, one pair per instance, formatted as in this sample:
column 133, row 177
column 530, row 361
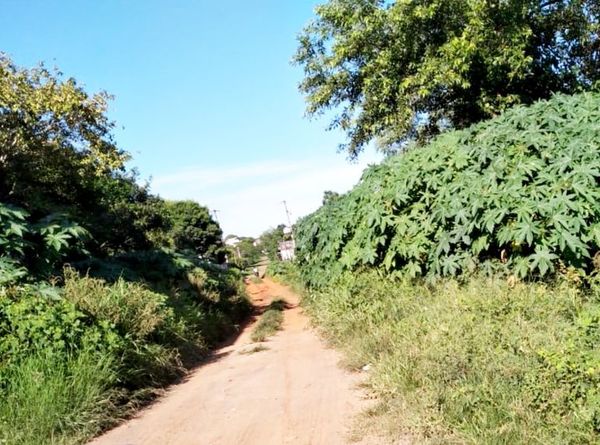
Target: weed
column 483, row 362
column 54, row 398
column 270, row 322
column 254, row 349
column 101, row 339
column 510, row 195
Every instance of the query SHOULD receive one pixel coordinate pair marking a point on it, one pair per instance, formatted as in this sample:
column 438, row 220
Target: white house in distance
column 286, row 250
column 232, row 241
column 287, row 247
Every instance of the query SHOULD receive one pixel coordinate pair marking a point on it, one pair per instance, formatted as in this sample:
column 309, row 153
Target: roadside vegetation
column 465, row 273
column 270, row 321
column 516, row 195
column 248, row 251
column 479, row 361
column 107, row 292
column 464, row 268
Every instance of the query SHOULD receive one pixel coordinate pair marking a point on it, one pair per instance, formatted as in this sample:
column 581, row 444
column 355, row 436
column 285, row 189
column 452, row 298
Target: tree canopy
column 269, row 241
column 396, row 71
column 55, row 139
column 192, row 228
column 60, row 163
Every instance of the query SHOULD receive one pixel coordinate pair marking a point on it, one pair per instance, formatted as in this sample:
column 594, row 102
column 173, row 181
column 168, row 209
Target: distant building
column 232, row 241
column 287, row 249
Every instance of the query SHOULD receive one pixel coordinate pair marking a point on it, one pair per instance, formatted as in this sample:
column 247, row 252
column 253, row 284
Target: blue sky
column 206, row 99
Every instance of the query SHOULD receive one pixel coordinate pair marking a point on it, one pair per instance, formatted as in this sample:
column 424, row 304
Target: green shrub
column 141, row 339
column 134, row 310
column 482, row 362
column 282, row 269
column 208, row 301
column 35, row 249
column 58, row 368
column 148, row 326
column 161, row 332
column 29, row 322
column 519, row 193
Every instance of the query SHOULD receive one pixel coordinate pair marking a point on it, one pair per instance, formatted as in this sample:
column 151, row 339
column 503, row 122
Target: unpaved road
column 292, row 393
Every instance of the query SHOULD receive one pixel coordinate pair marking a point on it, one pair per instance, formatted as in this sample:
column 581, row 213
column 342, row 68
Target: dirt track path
column 292, row 393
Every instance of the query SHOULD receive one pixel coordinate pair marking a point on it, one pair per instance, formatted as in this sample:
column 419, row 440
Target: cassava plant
column 519, row 193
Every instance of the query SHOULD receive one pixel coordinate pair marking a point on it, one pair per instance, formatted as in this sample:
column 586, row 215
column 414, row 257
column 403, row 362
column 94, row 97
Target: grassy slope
column 481, row 363
column 75, row 366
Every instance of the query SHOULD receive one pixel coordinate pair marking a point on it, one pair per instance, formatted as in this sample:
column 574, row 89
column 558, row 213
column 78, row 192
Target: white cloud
column 202, row 177
column 249, row 197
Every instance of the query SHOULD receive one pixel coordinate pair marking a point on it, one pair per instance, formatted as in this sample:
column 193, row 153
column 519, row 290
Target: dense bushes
column 483, row 362
column 518, row 193
column 35, row 249
column 87, row 356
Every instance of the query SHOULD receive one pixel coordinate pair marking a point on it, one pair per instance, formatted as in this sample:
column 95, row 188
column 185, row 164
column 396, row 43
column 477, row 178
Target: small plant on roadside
column 254, row 349
column 270, row 322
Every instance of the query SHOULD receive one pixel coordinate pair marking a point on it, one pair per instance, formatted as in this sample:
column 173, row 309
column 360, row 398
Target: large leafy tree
column 192, row 228
column 406, row 69
column 269, row 242
column 58, row 158
column 55, row 139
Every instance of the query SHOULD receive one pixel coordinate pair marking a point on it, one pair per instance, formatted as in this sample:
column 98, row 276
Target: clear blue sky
column 206, row 99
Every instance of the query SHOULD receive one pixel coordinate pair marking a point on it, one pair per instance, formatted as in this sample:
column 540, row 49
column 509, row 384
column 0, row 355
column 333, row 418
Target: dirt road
column 291, row 393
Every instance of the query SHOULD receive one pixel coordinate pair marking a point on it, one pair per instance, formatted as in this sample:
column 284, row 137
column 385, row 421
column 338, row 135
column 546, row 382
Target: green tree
column 246, row 252
column 405, row 70
column 329, row 196
column 192, row 228
column 269, row 242
column 55, row 139
column 58, row 159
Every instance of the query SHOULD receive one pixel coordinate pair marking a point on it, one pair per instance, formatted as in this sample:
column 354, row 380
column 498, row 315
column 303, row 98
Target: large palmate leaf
column 521, row 190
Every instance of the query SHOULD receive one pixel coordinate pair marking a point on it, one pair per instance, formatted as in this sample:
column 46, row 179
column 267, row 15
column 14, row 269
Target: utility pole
column 287, row 247
column 215, row 215
column 287, row 213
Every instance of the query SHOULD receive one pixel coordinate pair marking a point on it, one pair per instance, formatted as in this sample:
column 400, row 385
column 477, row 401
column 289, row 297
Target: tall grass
column 482, row 362
column 51, row 398
column 73, row 364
